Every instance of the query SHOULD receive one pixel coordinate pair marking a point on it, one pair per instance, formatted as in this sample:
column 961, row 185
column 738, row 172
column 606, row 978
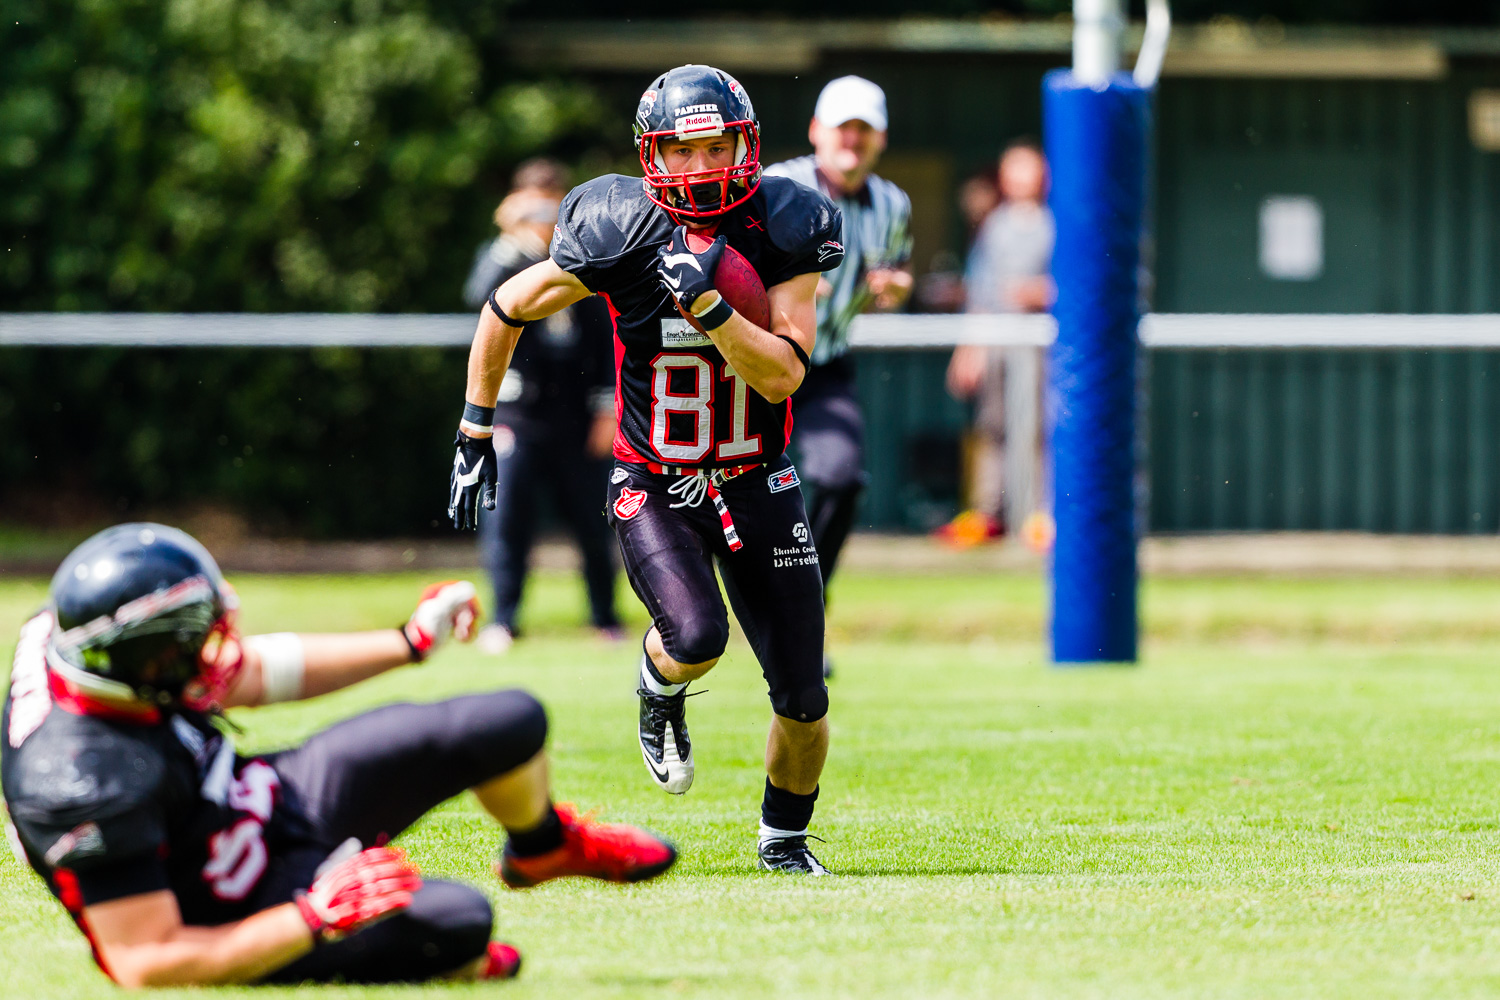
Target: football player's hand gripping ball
column 358, row 891
column 472, row 481
column 450, row 608
column 688, row 276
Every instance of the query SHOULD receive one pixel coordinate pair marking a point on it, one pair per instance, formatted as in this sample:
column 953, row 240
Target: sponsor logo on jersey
column 799, row 532
column 784, row 479
column 80, row 842
column 678, row 332
column 829, row 250
column 629, row 503
column 699, row 125
column 619, row 475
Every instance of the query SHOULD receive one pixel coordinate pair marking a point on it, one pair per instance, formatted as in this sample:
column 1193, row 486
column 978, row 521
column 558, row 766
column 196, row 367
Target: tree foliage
column 1368, row 12
column 254, row 154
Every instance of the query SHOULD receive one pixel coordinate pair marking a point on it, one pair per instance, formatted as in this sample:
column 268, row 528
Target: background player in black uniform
column 554, row 420
column 186, row 863
column 703, row 416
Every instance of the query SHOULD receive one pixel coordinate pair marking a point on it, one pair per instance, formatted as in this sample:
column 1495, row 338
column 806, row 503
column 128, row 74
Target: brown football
column 737, row 281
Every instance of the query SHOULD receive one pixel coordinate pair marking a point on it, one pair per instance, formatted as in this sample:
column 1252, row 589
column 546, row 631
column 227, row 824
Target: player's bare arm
column 535, row 293
column 143, row 941
column 290, row 666
column 764, row 358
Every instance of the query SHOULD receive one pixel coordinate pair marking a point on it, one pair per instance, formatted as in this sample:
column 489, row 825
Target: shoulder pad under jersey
column 78, row 769
column 602, row 221
column 799, row 219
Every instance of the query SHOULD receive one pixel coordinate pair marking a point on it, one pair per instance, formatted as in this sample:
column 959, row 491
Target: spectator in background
column 1009, row 271
column 554, row 420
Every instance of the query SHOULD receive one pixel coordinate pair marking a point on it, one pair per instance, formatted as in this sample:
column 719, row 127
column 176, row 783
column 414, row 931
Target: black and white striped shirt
column 877, row 233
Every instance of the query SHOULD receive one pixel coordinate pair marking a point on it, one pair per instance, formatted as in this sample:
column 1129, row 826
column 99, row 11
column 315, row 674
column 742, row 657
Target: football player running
column 186, row 863
column 701, row 473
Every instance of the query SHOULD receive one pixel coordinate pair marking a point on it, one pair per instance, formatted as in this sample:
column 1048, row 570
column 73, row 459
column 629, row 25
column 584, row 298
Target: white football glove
column 447, row 608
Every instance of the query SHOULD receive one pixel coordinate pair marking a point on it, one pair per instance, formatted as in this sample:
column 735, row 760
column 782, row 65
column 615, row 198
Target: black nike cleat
column 665, row 744
column 791, row 855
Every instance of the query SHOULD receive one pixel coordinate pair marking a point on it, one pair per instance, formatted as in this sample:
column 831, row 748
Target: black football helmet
column 143, row 614
column 691, row 102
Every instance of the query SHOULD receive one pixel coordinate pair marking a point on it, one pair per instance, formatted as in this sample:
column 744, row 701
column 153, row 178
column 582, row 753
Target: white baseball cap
column 848, row 98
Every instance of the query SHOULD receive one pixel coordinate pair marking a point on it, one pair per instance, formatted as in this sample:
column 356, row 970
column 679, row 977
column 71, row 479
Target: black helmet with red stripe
column 143, row 614
column 692, row 102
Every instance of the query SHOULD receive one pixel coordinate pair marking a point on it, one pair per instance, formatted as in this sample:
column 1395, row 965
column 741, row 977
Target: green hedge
column 328, row 442
column 261, row 155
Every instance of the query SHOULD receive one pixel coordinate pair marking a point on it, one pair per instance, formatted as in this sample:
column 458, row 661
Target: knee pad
column 500, row 727
column 808, row 704
column 455, row 921
column 697, row 640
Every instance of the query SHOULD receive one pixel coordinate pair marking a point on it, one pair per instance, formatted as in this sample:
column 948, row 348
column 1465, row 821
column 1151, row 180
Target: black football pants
column 773, row 581
column 372, row 776
column 828, row 439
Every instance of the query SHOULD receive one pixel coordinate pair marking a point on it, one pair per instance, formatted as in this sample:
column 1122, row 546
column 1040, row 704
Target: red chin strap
column 220, row 662
column 670, row 190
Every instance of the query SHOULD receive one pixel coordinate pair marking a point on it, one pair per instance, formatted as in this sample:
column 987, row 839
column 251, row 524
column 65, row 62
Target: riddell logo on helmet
column 691, row 124
column 629, row 503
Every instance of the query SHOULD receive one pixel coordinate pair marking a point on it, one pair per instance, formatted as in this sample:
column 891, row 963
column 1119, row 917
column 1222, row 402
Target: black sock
column 545, row 836
column 784, row 810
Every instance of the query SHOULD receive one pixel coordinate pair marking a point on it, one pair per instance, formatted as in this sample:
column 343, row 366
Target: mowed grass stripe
column 1294, row 795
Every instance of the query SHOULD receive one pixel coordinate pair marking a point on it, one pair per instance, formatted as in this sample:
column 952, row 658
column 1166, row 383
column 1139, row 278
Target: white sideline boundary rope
column 904, row 331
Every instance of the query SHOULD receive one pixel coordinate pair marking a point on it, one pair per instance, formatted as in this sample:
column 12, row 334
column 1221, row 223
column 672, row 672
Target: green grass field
column 1294, row 795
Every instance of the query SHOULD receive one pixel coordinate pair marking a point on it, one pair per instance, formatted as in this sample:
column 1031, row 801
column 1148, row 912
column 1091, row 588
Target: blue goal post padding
column 1095, row 140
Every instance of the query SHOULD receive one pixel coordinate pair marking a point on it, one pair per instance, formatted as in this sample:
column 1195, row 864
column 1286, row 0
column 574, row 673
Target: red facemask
column 702, row 194
column 220, row 662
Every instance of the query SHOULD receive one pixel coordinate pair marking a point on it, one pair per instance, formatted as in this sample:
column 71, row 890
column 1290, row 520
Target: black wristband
column 797, row 350
column 416, row 654
column 479, row 416
column 718, row 315
column 494, row 304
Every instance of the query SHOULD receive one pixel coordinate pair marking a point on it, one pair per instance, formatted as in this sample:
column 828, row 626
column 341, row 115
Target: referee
column 848, row 134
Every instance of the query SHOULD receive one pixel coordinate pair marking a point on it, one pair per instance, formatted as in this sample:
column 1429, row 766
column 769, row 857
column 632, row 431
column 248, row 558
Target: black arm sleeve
column 121, row 878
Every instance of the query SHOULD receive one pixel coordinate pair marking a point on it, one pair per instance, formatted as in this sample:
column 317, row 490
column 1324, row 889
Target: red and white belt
column 695, row 484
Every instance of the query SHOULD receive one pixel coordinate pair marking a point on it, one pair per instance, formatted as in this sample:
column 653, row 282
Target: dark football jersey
column 107, row 808
column 677, row 401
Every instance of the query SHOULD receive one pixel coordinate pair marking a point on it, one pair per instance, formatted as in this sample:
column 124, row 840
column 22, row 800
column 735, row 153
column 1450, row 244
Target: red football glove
column 447, row 608
column 358, row 891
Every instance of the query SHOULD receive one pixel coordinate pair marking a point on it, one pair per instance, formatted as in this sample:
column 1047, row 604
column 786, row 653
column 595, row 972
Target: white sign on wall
column 1291, row 237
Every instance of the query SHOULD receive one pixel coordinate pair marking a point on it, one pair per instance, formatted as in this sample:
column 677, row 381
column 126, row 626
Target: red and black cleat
column 502, row 962
column 613, row 852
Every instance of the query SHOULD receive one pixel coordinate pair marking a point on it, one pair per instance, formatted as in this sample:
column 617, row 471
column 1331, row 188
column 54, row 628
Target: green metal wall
column 1400, row 440
column 1377, row 440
